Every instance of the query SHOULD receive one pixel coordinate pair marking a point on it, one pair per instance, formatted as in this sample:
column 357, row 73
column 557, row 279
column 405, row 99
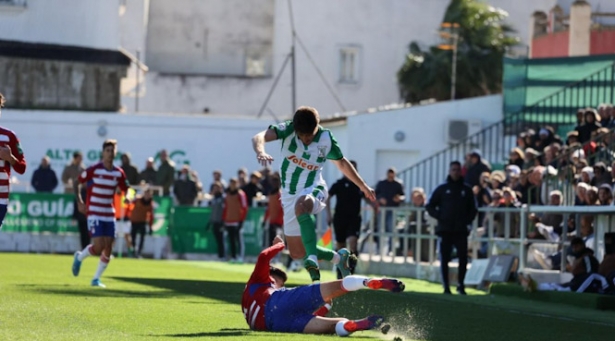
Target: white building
column 223, row 55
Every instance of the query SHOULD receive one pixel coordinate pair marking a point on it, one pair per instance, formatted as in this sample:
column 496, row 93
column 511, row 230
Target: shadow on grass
column 224, row 332
column 173, row 288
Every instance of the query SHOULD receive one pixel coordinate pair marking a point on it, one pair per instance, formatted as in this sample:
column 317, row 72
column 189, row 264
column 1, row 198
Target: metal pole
column 137, row 88
column 454, row 75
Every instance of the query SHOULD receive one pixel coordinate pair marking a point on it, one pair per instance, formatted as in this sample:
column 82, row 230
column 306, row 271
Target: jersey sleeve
column 86, row 175
column 335, row 153
column 261, row 269
column 20, row 165
column 122, row 182
column 283, row 129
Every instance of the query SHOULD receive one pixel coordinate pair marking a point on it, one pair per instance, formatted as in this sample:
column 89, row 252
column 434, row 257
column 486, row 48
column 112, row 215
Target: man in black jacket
column 454, row 206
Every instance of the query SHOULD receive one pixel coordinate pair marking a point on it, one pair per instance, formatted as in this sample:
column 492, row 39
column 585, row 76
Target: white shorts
column 291, row 225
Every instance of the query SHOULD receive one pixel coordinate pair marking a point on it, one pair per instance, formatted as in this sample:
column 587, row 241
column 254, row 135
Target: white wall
column 224, row 142
column 88, row 23
column 208, row 142
column 424, row 128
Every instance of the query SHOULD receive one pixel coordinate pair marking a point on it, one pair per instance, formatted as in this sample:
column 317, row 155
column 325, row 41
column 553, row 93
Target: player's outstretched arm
column 351, row 173
column 258, row 143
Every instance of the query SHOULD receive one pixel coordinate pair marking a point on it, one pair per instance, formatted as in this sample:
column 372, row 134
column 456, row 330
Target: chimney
column 580, row 28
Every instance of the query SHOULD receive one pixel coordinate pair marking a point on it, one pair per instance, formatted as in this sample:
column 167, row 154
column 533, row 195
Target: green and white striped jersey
column 302, row 165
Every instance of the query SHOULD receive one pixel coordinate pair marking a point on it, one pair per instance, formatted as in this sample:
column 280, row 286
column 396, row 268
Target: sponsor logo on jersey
column 302, row 163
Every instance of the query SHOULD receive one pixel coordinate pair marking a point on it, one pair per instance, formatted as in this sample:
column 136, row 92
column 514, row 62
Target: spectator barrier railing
column 497, row 140
column 510, row 237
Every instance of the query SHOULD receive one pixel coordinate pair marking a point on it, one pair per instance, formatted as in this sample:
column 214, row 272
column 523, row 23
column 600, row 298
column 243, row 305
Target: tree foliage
column 483, row 40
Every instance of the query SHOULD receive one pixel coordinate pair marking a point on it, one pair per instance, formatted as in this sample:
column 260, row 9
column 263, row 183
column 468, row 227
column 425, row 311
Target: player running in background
column 268, row 305
column 102, row 180
column 305, row 148
column 11, row 155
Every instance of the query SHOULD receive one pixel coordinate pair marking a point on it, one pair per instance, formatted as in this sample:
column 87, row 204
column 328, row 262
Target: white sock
column 354, row 282
column 85, row 253
column 339, row 328
column 102, row 265
column 336, row 258
column 314, row 258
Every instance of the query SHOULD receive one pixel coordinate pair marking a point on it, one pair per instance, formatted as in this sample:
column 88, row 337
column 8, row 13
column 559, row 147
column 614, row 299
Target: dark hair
column 455, row 163
column 305, row 120
column 353, row 163
column 109, row 142
column 577, row 241
column 273, row 271
column 2, row 100
column 76, row 154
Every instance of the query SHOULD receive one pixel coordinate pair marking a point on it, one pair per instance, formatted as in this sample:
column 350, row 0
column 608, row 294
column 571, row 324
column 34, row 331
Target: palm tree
column 483, row 41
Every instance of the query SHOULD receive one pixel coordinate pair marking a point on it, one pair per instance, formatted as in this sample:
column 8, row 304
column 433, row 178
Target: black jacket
column 454, row 206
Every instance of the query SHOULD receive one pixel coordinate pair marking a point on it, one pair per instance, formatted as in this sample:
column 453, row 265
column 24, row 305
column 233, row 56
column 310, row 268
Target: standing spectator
column 347, row 218
column 572, row 138
column 216, row 223
column 142, row 214
column 454, row 207
column 517, row 157
column 82, row 221
column 217, row 175
column 274, row 215
column 185, row 188
column 477, row 167
column 71, row 172
column 253, row 187
column 605, row 195
column 523, row 187
column 605, row 115
column 389, row 193
column 601, row 174
column 44, row 179
column 592, row 124
column 509, row 200
column 266, row 180
column 166, row 173
column 242, row 176
column 131, row 171
column 418, row 199
column 234, row 214
column 148, row 174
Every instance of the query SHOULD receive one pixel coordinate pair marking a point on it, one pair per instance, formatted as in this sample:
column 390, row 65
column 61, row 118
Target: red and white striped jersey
column 9, row 139
column 259, row 289
column 102, row 184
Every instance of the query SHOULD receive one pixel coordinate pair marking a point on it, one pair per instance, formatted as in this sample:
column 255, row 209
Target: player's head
column 577, row 245
column 109, row 149
column 278, row 275
column 305, row 122
column 147, row 193
column 233, row 184
column 454, row 170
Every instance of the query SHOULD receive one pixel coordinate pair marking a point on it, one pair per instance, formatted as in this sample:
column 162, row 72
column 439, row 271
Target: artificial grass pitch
column 180, row 300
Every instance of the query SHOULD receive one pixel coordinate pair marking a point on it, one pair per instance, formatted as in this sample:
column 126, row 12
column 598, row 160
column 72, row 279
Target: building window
column 349, row 64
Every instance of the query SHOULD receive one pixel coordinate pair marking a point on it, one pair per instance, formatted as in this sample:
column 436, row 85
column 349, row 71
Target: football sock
column 328, row 255
column 340, row 330
column 102, row 265
column 307, row 226
column 322, row 311
column 354, row 282
column 85, row 253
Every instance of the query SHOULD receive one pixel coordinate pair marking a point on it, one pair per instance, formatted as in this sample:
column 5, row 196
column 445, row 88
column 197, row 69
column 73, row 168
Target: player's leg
column 461, row 244
column 446, row 248
column 340, row 227
column 105, row 255
column 333, row 289
column 354, row 230
column 93, row 249
column 126, row 227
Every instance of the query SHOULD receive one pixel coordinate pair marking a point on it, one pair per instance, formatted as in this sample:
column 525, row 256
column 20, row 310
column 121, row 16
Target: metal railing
column 515, row 235
column 495, row 142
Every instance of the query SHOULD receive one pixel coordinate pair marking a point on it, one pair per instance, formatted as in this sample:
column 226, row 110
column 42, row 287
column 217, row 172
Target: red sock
column 322, row 311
